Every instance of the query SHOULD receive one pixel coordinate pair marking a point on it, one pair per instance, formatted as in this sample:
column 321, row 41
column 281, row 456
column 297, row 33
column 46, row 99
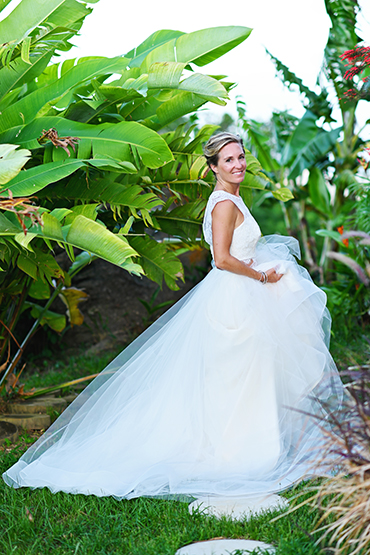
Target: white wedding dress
column 213, row 399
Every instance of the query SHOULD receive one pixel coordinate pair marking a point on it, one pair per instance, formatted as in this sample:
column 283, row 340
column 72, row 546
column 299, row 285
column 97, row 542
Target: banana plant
column 102, row 173
column 315, row 156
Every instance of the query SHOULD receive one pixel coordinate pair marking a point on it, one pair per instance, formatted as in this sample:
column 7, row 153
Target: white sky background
column 295, row 31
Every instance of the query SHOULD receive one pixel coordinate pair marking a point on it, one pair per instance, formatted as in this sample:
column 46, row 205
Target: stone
column 238, row 508
column 37, row 405
column 28, row 421
column 226, row 547
column 9, row 431
column 70, row 397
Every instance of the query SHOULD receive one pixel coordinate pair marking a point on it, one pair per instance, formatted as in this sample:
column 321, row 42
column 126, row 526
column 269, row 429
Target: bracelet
column 264, row 278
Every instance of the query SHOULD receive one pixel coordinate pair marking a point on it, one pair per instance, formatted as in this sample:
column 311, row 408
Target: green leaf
column 88, row 235
column 103, row 190
column 203, row 85
column 329, row 233
column 21, row 72
column 181, row 104
column 317, row 103
column 204, row 46
column 81, row 260
column 52, row 227
column 254, row 181
column 11, row 162
column 3, row 4
column 87, row 210
column 61, row 213
column 28, row 107
column 25, row 51
column 157, row 261
column 199, row 47
column 164, row 75
column 7, row 227
column 314, row 151
column 305, row 131
column 183, row 221
column 27, row 265
column 284, row 194
column 55, row 321
column 307, row 145
column 25, row 240
column 318, row 190
column 39, row 264
column 33, row 180
column 260, row 141
column 25, row 17
column 155, row 40
column 108, row 140
column 39, row 290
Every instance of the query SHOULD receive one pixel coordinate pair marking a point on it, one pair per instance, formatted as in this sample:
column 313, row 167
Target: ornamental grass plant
column 344, row 498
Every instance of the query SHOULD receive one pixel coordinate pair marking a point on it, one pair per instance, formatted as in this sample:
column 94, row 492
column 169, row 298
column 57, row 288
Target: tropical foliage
column 102, row 172
column 321, row 157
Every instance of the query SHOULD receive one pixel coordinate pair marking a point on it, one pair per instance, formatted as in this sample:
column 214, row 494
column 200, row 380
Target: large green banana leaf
column 102, row 190
column 163, row 75
column 20, row 72
column 318, row 190
column 83, row 233
column 71, row 14
column 157, row 261
column 199, row 47
column 11, row 162
column 163, row 83
column 25, row 17
column 183, row 221
column 314, row 151
column 3, row 4
column 158, row 38
column 181, row 104
column 307, row 145
column 29, row 182
column 305, row 131
column 112, row 140
column 26, row 109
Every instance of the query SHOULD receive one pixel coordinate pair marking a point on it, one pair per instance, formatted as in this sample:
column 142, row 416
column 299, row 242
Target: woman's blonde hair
column 216, row 143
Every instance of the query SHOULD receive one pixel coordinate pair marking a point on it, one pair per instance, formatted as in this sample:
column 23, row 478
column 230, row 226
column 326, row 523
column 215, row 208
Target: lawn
column 39, row 522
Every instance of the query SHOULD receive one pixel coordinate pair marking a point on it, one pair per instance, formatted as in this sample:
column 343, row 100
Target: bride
column 226, row 394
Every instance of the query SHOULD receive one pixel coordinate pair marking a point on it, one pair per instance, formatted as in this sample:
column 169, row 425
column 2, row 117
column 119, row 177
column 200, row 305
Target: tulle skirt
column 226, row 394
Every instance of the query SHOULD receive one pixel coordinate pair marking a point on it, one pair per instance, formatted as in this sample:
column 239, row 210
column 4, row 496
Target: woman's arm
column 225, row 217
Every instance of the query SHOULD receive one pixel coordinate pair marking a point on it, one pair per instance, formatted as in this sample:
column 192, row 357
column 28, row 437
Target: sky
column 295, row 31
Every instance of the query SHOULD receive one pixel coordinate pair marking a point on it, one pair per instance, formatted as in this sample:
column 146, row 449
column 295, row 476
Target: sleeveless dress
column 214, row 398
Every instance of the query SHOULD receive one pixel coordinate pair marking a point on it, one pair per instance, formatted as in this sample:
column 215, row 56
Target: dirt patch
column 113, row 313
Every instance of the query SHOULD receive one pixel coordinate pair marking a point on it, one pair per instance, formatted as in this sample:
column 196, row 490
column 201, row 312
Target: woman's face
column 231, row 164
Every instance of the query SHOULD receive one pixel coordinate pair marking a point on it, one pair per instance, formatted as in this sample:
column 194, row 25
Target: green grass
column 62, row 371
column 351, row 351
column 39, row 522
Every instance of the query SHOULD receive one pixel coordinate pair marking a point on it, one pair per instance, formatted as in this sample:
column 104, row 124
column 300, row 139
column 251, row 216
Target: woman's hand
column 272, row 276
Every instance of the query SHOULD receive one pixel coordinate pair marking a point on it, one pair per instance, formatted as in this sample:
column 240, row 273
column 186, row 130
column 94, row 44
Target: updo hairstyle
column 216, row 143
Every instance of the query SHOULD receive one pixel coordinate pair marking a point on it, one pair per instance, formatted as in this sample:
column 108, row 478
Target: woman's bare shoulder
column 225, row 206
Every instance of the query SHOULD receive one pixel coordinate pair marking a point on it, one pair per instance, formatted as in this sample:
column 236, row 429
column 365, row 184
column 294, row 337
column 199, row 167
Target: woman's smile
column 231, row 165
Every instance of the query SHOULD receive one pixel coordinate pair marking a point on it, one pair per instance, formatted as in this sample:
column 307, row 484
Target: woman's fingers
column 272, row 276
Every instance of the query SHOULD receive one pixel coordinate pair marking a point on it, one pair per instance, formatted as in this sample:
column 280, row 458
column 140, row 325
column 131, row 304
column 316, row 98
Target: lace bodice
column 245, row 236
